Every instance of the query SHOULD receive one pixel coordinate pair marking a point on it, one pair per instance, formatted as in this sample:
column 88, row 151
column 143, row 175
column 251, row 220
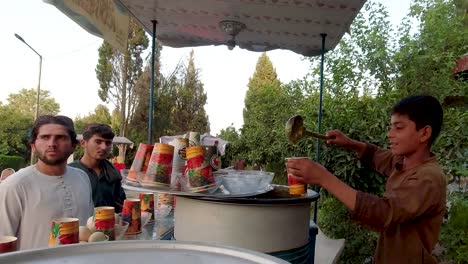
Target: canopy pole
column 150, row 115
column 319, row 124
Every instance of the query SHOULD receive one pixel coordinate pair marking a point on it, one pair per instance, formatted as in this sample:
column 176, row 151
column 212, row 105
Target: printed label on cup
column 104, row 220
column 64, row 231
column 131, row 213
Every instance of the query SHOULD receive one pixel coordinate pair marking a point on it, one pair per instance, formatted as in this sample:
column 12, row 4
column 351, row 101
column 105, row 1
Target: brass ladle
column 295, row 130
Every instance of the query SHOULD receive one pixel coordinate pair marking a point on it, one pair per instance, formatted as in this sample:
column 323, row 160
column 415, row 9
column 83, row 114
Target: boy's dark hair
column 101, row 130
column 58, row 120
column 423, row 110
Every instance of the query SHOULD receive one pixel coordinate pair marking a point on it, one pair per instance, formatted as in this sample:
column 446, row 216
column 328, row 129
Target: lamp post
column 36, row 114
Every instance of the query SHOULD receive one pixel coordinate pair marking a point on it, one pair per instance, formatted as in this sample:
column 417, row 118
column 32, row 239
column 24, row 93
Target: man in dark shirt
column 104, row 177
column 409, row 215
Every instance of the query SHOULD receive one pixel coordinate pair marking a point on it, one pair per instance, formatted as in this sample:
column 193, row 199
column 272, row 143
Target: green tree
column 229, row 133
column 427, row 58
column 24, row 102
column 17, row 117
column 162, row 103
column 117, row 74
column 265, row 112
column 14, row 130
column 188, row 113
column 233, row 149
column 100, row 115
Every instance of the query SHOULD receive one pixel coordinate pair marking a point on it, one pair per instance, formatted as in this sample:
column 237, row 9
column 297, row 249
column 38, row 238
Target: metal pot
column 271, row 222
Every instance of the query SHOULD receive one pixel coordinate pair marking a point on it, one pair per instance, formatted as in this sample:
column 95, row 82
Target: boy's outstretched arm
column 418, row 194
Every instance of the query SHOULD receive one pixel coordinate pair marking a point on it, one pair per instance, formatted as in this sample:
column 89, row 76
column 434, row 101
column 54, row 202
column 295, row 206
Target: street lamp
column 36, row 114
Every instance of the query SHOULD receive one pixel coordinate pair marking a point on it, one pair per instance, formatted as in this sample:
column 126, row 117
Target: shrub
column 454, row 234
column 13, row 162
column 360, row 242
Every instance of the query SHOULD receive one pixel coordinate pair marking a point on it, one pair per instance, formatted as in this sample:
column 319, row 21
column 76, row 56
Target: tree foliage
column 17, row 118
column 118, row 73
column 265, row 113
column 179, row 100
column 100, row 115
column 24, row 102
column 14, row 130
column 427, row 58
column 188, row 112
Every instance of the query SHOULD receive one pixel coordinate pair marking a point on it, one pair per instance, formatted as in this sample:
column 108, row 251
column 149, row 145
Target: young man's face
column 53, row 144
column 97, row 147
column 404, row 138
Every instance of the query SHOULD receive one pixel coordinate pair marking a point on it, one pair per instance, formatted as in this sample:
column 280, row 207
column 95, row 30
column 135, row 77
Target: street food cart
column 269, row 221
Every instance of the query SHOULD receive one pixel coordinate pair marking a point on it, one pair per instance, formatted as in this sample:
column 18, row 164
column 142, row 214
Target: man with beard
column 34, row 196
column 104, row 177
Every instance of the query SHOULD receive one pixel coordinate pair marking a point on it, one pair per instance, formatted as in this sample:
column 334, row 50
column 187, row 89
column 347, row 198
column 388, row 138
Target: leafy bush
column 360, row 242
column 13, row 162
column 454, row 235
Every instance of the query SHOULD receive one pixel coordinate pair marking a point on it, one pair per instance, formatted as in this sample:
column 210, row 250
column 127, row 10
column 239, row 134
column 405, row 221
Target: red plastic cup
column 131, row 213
column 296, row 187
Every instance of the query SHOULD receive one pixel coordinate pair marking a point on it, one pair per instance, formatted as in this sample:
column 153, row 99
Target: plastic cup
column 296, row 187
column 64, row 231
column 147, row 204
column 104, row 220
column 131, row 213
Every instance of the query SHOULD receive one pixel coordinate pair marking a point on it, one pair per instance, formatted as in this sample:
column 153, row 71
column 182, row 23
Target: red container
column 8, row 244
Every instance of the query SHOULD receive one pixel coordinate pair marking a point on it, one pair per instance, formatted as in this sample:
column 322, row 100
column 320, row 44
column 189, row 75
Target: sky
column 70, row 56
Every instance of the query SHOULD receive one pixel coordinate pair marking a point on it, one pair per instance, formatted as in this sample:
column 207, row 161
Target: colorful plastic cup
column 104, row 220
column 199, row 172
column 131, row 213
column 8, row 244
column 160, row 166
column 64, row 231
column 296, row 187
column 147, row 204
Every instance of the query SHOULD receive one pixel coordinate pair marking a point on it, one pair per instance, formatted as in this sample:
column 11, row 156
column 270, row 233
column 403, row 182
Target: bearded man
column 34, row 196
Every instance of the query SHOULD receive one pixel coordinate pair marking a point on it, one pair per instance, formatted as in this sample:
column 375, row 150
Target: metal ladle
column 295, row 130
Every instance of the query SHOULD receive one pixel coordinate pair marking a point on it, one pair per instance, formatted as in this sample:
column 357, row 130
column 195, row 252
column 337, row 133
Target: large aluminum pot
column 265, row 224
column 161, row 252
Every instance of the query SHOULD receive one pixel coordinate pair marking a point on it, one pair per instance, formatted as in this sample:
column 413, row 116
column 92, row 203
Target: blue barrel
column 301, row 255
